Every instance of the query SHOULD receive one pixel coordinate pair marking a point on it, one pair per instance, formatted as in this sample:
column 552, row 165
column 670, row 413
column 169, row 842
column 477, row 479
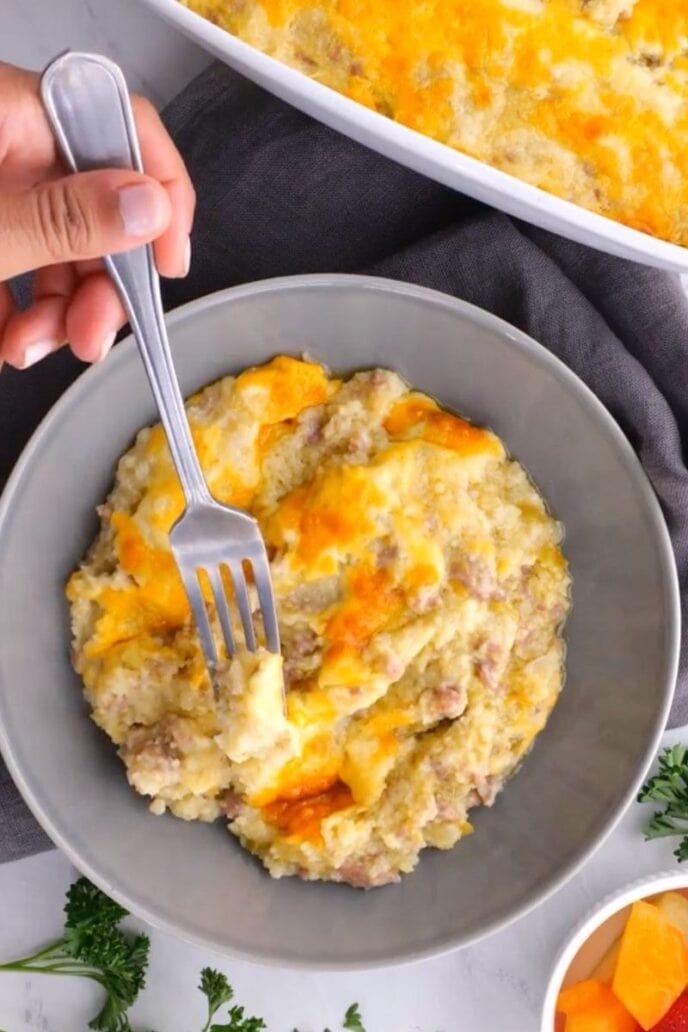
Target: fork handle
column 87, row 103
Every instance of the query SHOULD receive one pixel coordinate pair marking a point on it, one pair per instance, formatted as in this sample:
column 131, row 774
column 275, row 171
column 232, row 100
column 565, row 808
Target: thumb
column 86, row 215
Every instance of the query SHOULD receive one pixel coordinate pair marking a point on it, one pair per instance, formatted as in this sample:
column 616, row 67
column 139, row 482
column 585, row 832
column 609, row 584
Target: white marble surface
column 496, row 986
column 156, row 59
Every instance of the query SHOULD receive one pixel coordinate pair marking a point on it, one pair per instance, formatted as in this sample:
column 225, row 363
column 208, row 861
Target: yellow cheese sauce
column 420, row 587
column 587, row 99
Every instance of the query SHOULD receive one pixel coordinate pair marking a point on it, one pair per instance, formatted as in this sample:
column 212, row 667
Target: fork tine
column 200, row 615
column 241, row 594
column 220, row 596
column 261, row 577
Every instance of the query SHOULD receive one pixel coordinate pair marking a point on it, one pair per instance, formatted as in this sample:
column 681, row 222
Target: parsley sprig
column 670, row 788
column 353, row 1020
column 93, row 946
column 218, row 991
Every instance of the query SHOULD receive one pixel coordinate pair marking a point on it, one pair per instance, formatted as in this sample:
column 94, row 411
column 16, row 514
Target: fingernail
column 108, row 341
column 36, row 351
column 187, row 257
column 140, row 209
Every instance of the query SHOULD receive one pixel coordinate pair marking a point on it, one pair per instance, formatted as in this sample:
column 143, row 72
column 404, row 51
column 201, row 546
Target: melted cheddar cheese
column 587, row 99
column 420, row 588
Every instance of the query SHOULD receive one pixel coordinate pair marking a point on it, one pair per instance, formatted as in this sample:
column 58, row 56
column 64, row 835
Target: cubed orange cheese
column 652, row 969
column 591, row 1006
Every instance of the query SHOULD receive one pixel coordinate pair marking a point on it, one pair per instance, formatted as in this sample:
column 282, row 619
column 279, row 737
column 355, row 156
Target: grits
column 420, row 588
column 587, row 99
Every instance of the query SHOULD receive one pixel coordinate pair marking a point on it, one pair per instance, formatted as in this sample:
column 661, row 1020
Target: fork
column 87, row 103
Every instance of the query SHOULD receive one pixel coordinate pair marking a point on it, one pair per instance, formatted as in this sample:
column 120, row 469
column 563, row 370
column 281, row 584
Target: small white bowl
column 596, row 933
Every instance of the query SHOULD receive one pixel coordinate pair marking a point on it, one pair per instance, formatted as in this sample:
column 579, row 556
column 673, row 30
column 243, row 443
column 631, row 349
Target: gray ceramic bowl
column 193, row 879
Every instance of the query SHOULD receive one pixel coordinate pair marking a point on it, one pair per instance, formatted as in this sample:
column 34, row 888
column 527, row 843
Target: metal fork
column 87, row 103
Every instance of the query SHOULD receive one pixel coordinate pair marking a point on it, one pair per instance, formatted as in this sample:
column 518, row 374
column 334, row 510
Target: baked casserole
column 587, row 99
column 421, row 591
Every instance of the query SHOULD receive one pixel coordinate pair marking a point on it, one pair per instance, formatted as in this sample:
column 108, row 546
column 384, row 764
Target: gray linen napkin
column 279, row 194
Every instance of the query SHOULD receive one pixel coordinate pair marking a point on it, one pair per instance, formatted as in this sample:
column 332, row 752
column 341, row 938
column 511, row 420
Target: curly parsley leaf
column 353, row 1020
column 669, row 786
column 239, row 1023
column 93, row 946
column 661, row 825
column 217, row 991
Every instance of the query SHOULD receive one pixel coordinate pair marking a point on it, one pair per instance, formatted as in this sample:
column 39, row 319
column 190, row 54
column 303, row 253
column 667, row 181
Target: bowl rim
column 649, row 885
column 535, row 352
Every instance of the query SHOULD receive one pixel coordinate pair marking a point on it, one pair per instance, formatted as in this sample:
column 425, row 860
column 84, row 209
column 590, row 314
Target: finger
column 8, row 305
column 85, row 270
column 54, row 280
column 36, row 332
column 94, row 312
column 7, row 308
column 94, row 316
column 27, row 144
column 42, row 334
column 81, row 216
column 173, row 249
column 162, row 160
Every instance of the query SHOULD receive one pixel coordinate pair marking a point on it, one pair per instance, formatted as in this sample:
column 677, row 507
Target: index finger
column 162, row 160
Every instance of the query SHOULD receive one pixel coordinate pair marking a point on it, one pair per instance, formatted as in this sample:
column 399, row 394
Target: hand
column 61, row 225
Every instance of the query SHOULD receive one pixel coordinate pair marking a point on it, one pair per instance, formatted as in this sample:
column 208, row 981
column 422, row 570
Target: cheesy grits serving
column 420, row 589
column 587, row 99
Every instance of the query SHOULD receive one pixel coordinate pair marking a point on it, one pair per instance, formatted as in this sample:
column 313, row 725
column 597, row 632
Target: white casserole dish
column 419, row 152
